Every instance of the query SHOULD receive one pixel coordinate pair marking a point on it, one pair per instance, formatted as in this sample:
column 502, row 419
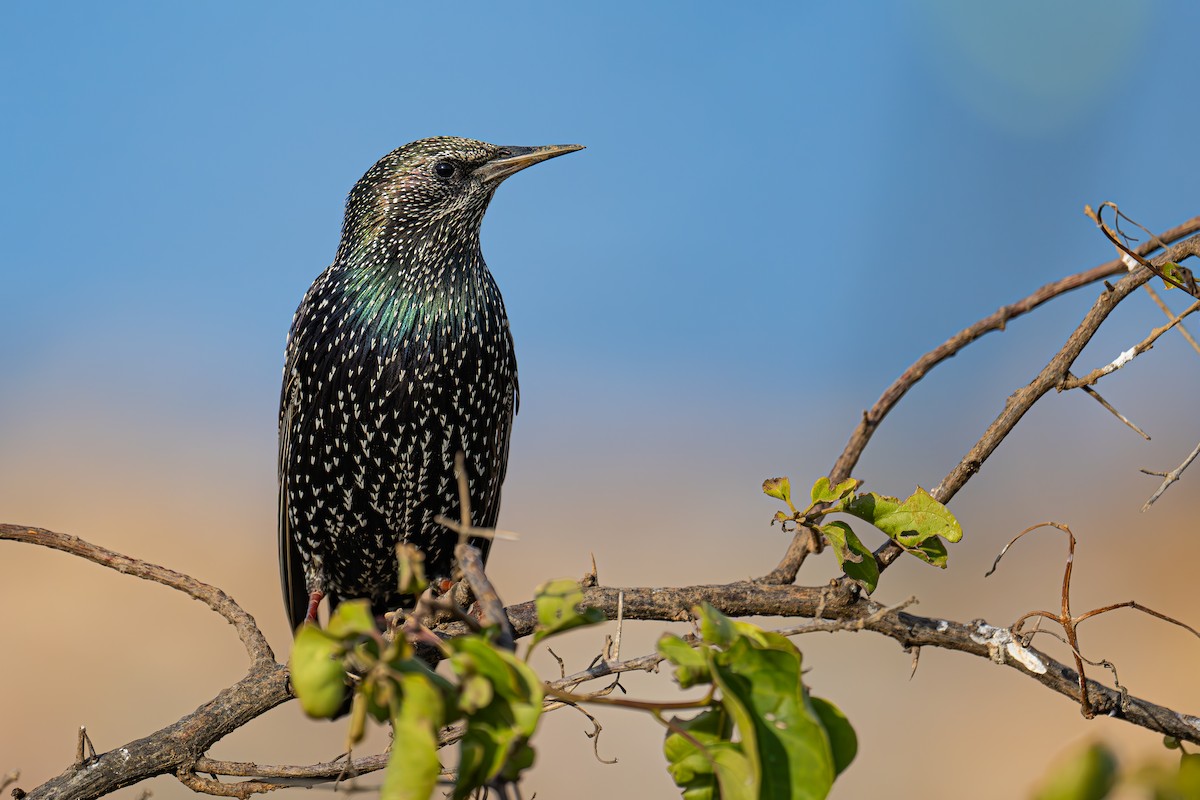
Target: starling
column 398, row 358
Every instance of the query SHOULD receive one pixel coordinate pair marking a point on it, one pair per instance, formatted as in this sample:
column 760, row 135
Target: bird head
column 441, row 185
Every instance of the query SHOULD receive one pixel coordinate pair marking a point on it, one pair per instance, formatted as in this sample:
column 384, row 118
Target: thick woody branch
column 175, row 748
column 179, row 748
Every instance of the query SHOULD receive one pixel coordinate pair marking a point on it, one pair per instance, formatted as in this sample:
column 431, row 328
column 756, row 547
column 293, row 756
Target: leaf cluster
column 918, row 524
column 762, row 733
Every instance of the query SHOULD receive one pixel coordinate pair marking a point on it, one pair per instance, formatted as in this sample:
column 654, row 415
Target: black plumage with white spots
column 398, row 358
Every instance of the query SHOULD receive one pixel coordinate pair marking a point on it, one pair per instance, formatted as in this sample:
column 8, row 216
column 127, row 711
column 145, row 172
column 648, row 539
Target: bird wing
column 291, row 569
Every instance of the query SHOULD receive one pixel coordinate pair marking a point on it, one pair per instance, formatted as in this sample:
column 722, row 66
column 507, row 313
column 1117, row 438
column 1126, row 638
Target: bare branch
column 798, row 550
column 492, row 610
column 1169, row 477
column 1183, row 331
column 994, row 322
column 1127, row 356
column 1182, row 279
column 179, row 748
column 252, row 638
column 1092, row 393
column 1050, row 377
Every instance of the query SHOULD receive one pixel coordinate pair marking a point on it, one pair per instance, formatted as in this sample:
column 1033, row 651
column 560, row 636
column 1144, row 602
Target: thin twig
column 1169, row 477
column 1090, row 392
column 1121, row 241
column 9, row 779
column 1130, row 354
column 1064, row 618
column 1183, row 331
column 84, row 749
column 1136, row 606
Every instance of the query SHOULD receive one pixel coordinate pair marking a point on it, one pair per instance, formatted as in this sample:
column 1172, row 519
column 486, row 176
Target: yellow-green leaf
column 413, row 766
column 854, row 557
column 411, row 562
column 779, row 488
column 691, row 667
column 822, row 492
column 557, row 605
column 352, row 618
column 317, row 673
column 1088, row 775
column 494, row 743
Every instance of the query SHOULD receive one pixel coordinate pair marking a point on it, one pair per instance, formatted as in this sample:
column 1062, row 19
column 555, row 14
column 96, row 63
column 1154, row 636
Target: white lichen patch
column 1123, row 359
column 1000, row 642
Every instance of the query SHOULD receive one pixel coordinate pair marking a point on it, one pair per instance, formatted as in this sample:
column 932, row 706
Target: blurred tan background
column 88, row 646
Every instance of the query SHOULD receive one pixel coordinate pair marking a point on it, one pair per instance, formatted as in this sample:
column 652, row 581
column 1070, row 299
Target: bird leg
column 314, row 600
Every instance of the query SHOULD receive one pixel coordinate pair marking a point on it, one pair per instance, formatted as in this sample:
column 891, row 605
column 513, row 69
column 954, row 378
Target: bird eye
column 443, row 169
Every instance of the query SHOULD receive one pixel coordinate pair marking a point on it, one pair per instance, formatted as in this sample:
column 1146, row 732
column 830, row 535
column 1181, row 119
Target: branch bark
column 179, row 748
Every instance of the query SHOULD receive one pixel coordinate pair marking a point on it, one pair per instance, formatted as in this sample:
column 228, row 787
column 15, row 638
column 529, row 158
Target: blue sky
column 750, row 177
column 764, row 192
column 779, row 209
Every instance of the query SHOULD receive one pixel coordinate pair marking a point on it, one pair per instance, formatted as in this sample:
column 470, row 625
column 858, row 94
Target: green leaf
column 475, row 693
column 715, row 627
column 1188, row 779
column 822, row 492
column 520, row 759
column 413, row 767
column 358, row 720
column 1089, row 775
column 779, row 488
column 781, row 735
column 691, row 667
column 931, row 551
column 380, row 694
column 783, row 739
column 719, row 762
column 913, row 524
column 842, row 738
column 399, row 653
column 854, row 557
column 494, row 743
column 557, row 609
column 931, row 518
column 411, row 562
column 317, row 673
column 352, row 618
column 1173, row 272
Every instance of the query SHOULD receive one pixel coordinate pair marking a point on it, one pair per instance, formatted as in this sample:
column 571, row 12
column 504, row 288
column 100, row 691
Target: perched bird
column 399, row 357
